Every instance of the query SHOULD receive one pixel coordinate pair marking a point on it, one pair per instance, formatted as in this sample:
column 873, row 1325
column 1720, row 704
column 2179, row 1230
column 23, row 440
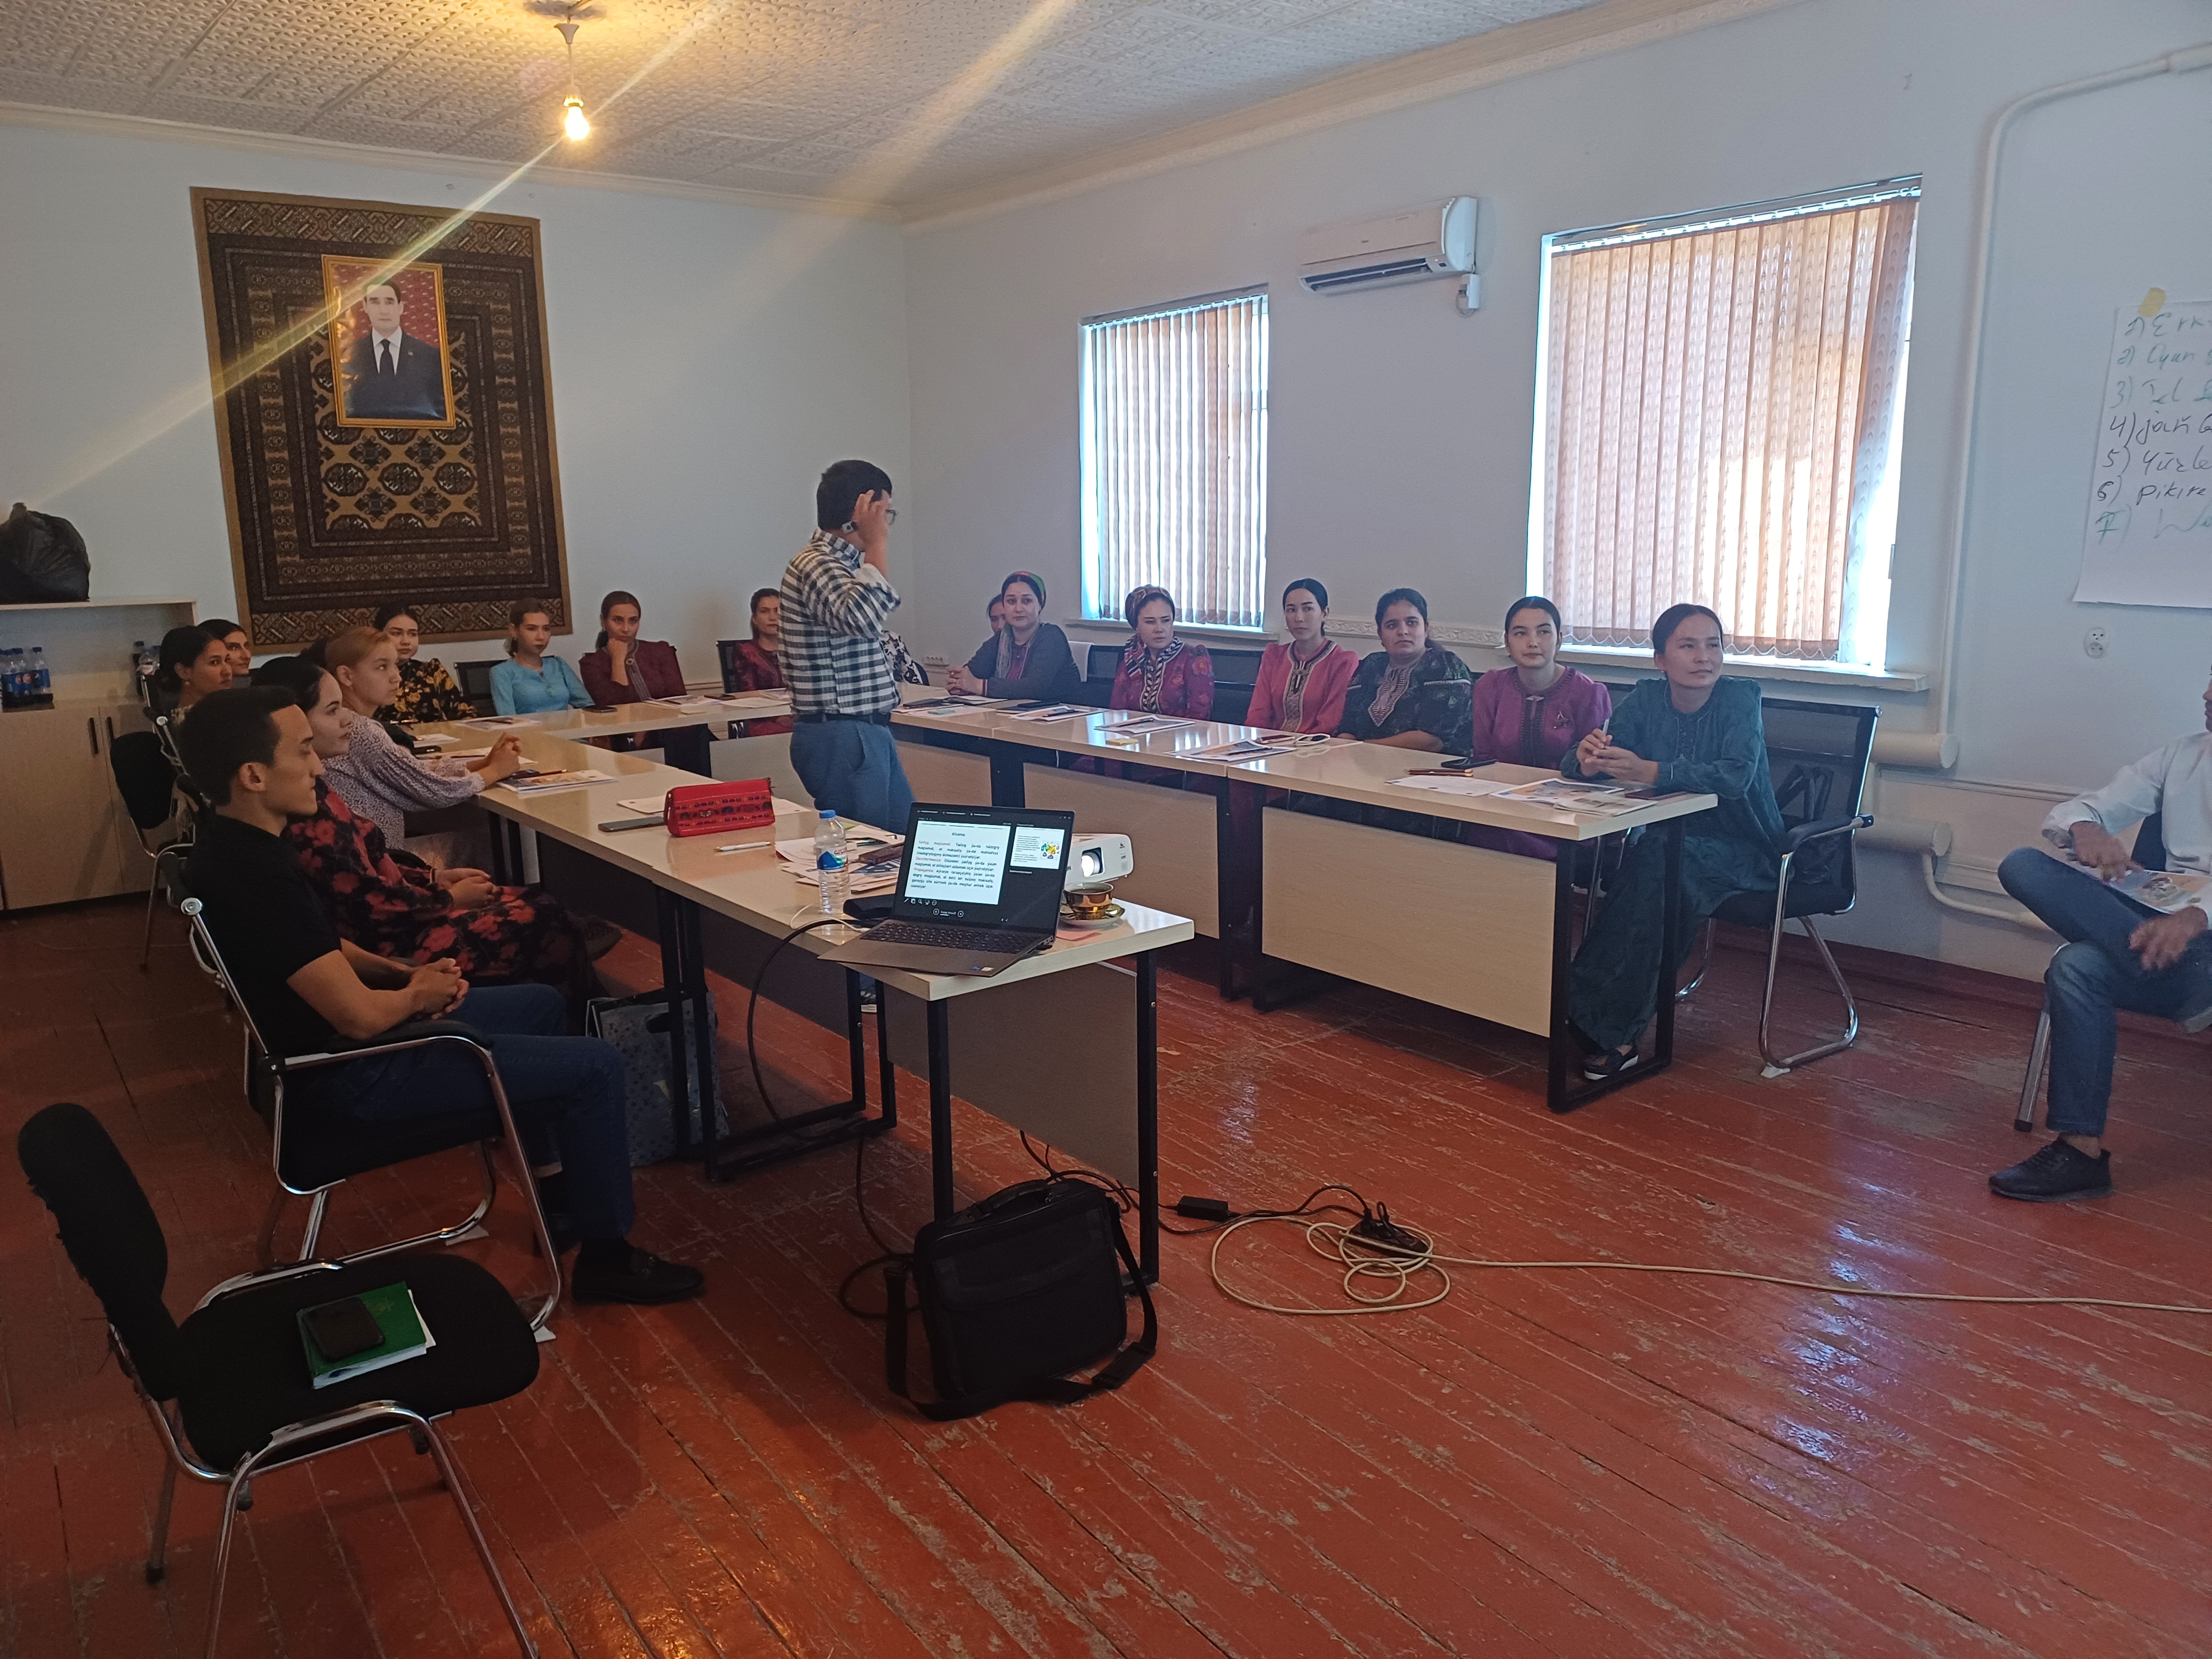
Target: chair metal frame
column 277, row 1069
column 294, row 1443
column 169, row 857
column 1817, row 829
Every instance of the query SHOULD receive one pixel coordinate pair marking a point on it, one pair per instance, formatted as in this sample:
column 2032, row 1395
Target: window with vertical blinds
column 1717, row 408
column 1175, row 458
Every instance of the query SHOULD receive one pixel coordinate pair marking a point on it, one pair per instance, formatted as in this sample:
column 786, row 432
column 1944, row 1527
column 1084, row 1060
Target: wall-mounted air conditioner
column 1414, row 246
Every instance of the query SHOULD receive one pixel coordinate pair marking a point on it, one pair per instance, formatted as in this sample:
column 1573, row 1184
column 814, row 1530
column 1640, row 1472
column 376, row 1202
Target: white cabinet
column 63, row 834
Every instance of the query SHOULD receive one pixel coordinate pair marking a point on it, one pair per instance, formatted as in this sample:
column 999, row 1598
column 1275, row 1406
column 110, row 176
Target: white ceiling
column 897, row 102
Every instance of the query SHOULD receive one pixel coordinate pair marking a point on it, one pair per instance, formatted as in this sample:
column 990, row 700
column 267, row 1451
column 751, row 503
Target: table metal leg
column 698, row 1000
column 1561, row 1061
column 1009, row 784
column 1663, row 1052
column 940, row 1109
column 674, row 981
column 1566, row 1057
column 1148, row 1116
column 886, row 1069
column 1237, row 809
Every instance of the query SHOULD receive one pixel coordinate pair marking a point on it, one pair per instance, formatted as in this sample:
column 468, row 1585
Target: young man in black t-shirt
column 252, row 753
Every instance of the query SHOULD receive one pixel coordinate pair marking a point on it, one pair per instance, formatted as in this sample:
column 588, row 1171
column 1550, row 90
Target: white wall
column 707, row 359
column 1400, row 432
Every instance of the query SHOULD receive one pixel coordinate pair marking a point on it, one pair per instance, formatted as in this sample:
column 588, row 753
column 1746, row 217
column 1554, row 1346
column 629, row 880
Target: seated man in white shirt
column 2119, row 953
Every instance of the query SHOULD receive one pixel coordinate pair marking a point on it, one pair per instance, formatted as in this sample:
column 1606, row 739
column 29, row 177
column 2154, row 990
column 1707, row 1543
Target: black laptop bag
column 1016, row 1290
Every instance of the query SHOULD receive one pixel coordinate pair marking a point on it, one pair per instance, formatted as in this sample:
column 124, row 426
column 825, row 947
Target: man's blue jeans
column 2093, row 975
column 852, row 769
column 566, row 1093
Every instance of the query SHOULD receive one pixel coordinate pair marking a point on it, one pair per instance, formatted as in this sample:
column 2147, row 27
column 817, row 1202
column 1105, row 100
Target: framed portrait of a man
column 388, row 343
column 384, row 413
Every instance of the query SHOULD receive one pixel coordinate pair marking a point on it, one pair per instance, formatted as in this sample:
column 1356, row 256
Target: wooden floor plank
column 1547, row 1464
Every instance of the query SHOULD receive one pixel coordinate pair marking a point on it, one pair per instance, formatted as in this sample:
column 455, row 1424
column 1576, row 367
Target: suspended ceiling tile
column 716, row 90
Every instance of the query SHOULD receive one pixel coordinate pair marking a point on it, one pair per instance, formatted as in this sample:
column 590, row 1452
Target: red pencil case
column 707, row 809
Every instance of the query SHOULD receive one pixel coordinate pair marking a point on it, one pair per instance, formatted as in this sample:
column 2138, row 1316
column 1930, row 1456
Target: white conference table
column 659, row 715
column 1450, row 923
column 969, row 1036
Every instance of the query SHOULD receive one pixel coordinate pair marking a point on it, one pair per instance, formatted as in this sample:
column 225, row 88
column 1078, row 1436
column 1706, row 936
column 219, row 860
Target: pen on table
column 744, row 846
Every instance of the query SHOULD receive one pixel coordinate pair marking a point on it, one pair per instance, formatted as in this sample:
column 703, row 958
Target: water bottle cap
column 827, row 815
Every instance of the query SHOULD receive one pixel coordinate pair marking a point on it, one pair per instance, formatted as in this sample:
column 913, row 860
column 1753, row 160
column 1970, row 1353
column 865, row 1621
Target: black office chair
column 726, row 651
column 1233, row 701
column 228, row 1390
column 2149, row 851
column 476, row 683
column 147, row 781
column 313, row 1153
column 1818, row 754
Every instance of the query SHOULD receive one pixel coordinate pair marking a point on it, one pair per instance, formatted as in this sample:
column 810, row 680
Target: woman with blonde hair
column 381, row 781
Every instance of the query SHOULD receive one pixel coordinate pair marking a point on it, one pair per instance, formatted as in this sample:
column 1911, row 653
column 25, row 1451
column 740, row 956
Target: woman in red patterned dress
column 408, row 911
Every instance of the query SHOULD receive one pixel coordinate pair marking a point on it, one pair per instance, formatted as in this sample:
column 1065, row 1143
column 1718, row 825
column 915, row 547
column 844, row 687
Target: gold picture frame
column 402, row 376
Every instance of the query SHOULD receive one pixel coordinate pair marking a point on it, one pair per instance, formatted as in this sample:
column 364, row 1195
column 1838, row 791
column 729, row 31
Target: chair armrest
column 1794, row 841
column 238, row 1282
column 415, row 1034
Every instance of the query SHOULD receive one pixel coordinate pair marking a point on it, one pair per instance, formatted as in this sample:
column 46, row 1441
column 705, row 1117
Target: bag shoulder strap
column 1048, row 1391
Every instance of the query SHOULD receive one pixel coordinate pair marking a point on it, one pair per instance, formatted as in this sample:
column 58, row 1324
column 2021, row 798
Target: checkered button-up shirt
column 834, row 606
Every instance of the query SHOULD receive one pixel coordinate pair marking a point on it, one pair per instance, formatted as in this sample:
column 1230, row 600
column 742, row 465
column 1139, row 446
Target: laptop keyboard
column 944, row 938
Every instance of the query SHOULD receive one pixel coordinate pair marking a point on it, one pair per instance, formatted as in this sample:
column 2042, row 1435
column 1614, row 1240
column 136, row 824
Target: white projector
column 1096, row 860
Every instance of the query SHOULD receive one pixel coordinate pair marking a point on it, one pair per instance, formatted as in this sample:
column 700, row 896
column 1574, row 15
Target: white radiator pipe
column 1985, row 204
column 2011, row 912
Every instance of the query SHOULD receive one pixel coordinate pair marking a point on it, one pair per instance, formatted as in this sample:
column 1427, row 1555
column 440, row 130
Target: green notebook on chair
column 356, row 1334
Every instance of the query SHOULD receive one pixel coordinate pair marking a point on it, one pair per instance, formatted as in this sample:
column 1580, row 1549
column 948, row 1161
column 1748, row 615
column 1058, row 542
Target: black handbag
column 1017, row 1291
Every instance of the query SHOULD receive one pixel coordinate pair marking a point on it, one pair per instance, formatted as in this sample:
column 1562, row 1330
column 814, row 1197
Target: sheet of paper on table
column 547, row 783
column 1267, row 748
column 1139, row 724
column 1455, row 786
column 1058, row 711
column 1585, row 799
column 463, row 754
column 501, row 722
column 435, row 739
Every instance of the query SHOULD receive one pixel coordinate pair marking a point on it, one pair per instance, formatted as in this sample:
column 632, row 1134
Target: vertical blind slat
column 1719, row 402
column 1175, row 468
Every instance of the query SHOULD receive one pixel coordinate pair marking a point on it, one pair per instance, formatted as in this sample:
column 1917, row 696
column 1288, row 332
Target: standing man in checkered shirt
column 835, row 595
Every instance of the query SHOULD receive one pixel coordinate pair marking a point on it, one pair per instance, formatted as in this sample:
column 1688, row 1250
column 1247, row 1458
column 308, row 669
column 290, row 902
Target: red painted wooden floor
column 1622, row 1466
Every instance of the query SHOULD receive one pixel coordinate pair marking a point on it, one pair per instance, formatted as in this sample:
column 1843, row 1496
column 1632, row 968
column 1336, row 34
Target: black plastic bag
column 42, row 560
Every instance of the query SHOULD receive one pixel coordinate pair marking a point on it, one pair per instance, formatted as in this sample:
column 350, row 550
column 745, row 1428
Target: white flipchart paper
column 2148, row 538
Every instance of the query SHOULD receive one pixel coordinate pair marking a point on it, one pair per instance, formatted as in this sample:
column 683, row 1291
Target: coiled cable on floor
column 1379, row 1275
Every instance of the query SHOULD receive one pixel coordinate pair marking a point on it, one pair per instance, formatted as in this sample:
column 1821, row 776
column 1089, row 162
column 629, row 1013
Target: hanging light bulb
column 574, row 122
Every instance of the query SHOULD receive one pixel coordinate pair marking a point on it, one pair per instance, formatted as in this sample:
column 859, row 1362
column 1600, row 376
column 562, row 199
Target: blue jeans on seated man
column 567, row 1094
column 852, row 769
column 2093, row 975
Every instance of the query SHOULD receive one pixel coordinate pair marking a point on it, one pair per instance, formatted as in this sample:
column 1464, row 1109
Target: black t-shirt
column 268, row 924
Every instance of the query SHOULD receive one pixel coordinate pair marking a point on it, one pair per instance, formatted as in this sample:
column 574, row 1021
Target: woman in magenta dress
column 1532, row 714
column 756, row 667
column 1300, row 686
column 1161, row 674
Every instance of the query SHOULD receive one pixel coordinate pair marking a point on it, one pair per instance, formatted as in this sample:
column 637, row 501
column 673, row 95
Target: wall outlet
column 2093, row 642
column 935, row 659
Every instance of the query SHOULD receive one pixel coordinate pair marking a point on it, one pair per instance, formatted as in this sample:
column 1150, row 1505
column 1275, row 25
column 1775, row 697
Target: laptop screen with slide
column 984, row 866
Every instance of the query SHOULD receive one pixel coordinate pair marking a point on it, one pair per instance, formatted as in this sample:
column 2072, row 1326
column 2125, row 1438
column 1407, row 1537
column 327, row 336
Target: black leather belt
column 880, row 717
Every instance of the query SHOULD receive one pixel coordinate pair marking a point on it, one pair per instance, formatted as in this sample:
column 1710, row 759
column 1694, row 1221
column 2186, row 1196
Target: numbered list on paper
column 2148, row 538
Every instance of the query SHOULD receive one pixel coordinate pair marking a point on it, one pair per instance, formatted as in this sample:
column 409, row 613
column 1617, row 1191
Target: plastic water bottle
column 829, row 862
column 44, row 686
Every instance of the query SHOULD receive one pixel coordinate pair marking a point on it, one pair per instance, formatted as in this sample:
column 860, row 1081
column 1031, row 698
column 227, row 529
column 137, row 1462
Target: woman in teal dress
column 1696, row 731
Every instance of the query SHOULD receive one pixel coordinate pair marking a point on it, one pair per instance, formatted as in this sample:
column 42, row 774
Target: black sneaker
column 600, row 936
column 643, row 1277
column 1610, row 1063
column 2056, row 1174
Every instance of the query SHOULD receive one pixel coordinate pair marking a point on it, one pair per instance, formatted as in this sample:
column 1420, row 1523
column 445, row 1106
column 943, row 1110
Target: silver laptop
column 979, row 889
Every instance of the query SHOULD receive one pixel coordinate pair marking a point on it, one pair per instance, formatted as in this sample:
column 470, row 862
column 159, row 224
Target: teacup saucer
column 1106, row 918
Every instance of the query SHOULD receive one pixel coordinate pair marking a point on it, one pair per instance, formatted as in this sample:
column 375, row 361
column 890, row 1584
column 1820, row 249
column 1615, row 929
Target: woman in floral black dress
column 400, row 908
